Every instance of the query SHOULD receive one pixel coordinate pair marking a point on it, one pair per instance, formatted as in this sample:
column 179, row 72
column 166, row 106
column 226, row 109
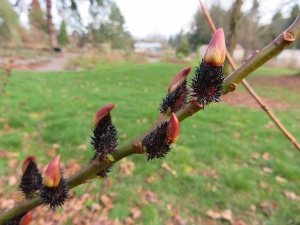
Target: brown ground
column 245, row 99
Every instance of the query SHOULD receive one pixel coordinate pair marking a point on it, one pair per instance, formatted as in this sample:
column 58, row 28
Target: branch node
column 138, row 148
column 288, row 36
column 232, row 87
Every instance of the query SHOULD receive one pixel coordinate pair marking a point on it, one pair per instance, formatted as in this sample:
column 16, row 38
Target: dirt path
column 56, row 63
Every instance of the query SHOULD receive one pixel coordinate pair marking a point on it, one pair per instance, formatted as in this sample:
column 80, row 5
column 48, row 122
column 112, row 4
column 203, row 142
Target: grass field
column 227, row 157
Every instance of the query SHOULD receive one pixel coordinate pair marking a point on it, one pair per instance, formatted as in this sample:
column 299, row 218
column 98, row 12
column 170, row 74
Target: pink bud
column 173, row 129
column 27, row 161
column 215, row 53
column 52, row 173
column 179, row 79
column 103, row 112
column 26, row 219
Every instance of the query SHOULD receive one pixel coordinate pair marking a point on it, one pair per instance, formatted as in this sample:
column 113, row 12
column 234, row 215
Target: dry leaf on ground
column 126, row 168
column 291, row 195
column 225, row 215
column 165, row 166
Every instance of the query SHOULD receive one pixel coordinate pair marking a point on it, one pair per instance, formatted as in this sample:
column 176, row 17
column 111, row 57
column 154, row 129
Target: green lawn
column 226, row 157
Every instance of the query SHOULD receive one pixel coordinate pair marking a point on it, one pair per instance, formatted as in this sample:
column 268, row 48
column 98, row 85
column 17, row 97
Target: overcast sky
column 167, row 17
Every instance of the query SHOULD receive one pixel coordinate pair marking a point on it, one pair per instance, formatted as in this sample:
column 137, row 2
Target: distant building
column 288, row 58
column 147, row 47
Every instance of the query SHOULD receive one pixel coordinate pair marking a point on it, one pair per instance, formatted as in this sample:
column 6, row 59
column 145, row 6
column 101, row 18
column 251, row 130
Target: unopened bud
column 179, row 79
column 215, row 53
column 26, row 219
column 52, row 174
column 27, row 161
column 103, row 112
column 173, row 129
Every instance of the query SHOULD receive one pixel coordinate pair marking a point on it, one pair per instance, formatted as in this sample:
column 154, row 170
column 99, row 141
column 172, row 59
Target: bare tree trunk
column 234, row 26
column 51, row 28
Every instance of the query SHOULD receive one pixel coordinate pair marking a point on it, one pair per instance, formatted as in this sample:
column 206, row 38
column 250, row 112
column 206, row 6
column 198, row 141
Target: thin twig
column 285, row 39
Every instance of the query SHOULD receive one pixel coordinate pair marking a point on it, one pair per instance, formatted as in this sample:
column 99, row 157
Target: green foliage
column 218, row 158
column 183, row 50
column 37, row 16
column 63, row 35
column 108, row 26
column 9, row 23
column 200, row 31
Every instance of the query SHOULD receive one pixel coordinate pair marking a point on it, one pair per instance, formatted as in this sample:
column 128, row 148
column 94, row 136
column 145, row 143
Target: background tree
column 10, row 29
column 108, row 25
column 200, row 32
column 50, row 25
column 63, row 35
column 235, row 22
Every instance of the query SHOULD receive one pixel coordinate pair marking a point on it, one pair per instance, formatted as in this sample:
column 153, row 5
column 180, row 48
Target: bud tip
column 103, row 112
column 52, row 174
column 179, row 79
column 173, row 130
column 27, row 161
column 215, row 53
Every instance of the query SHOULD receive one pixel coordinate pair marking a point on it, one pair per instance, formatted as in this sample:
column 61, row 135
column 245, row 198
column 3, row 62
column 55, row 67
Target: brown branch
column 89, row 171
column 257, row 59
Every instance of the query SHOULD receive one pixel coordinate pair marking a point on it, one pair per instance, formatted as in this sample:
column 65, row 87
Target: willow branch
column 89, row 171
column 257, row 59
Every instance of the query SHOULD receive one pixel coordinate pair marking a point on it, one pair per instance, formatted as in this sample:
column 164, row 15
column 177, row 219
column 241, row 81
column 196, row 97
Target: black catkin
column 207, row 84
column 174, row 100
column 104, row 141
column 31, row 180
column 155, row 143
column 55, row 197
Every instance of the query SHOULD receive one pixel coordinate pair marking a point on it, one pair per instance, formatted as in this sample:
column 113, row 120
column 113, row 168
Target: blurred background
column 62, row 60
column 165, row 29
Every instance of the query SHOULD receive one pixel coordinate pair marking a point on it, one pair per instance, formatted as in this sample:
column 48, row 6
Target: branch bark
column 257, row 59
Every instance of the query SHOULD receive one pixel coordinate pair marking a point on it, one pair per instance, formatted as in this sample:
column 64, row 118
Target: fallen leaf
column 95, row 207
column 213, row 215
column 291, row 195
column 126, row 168
column 267, row 170
column 227, row 215
column 268, row 207
column 239, row 222
column 265, row 185
column 150, row 179
column 165, row 166
column 81, row 147
column 52, row 151
column 136, row 213
column 13, row 163
column 128, row 221
column 7, row 203
column 280, row 179
column 236, row 135
column 255, row 155
column 266, row 156
column 210, row 173
column 123, row 136
column 150, row 196
column 12, row 180
column 177, row 220
column 106, row 201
